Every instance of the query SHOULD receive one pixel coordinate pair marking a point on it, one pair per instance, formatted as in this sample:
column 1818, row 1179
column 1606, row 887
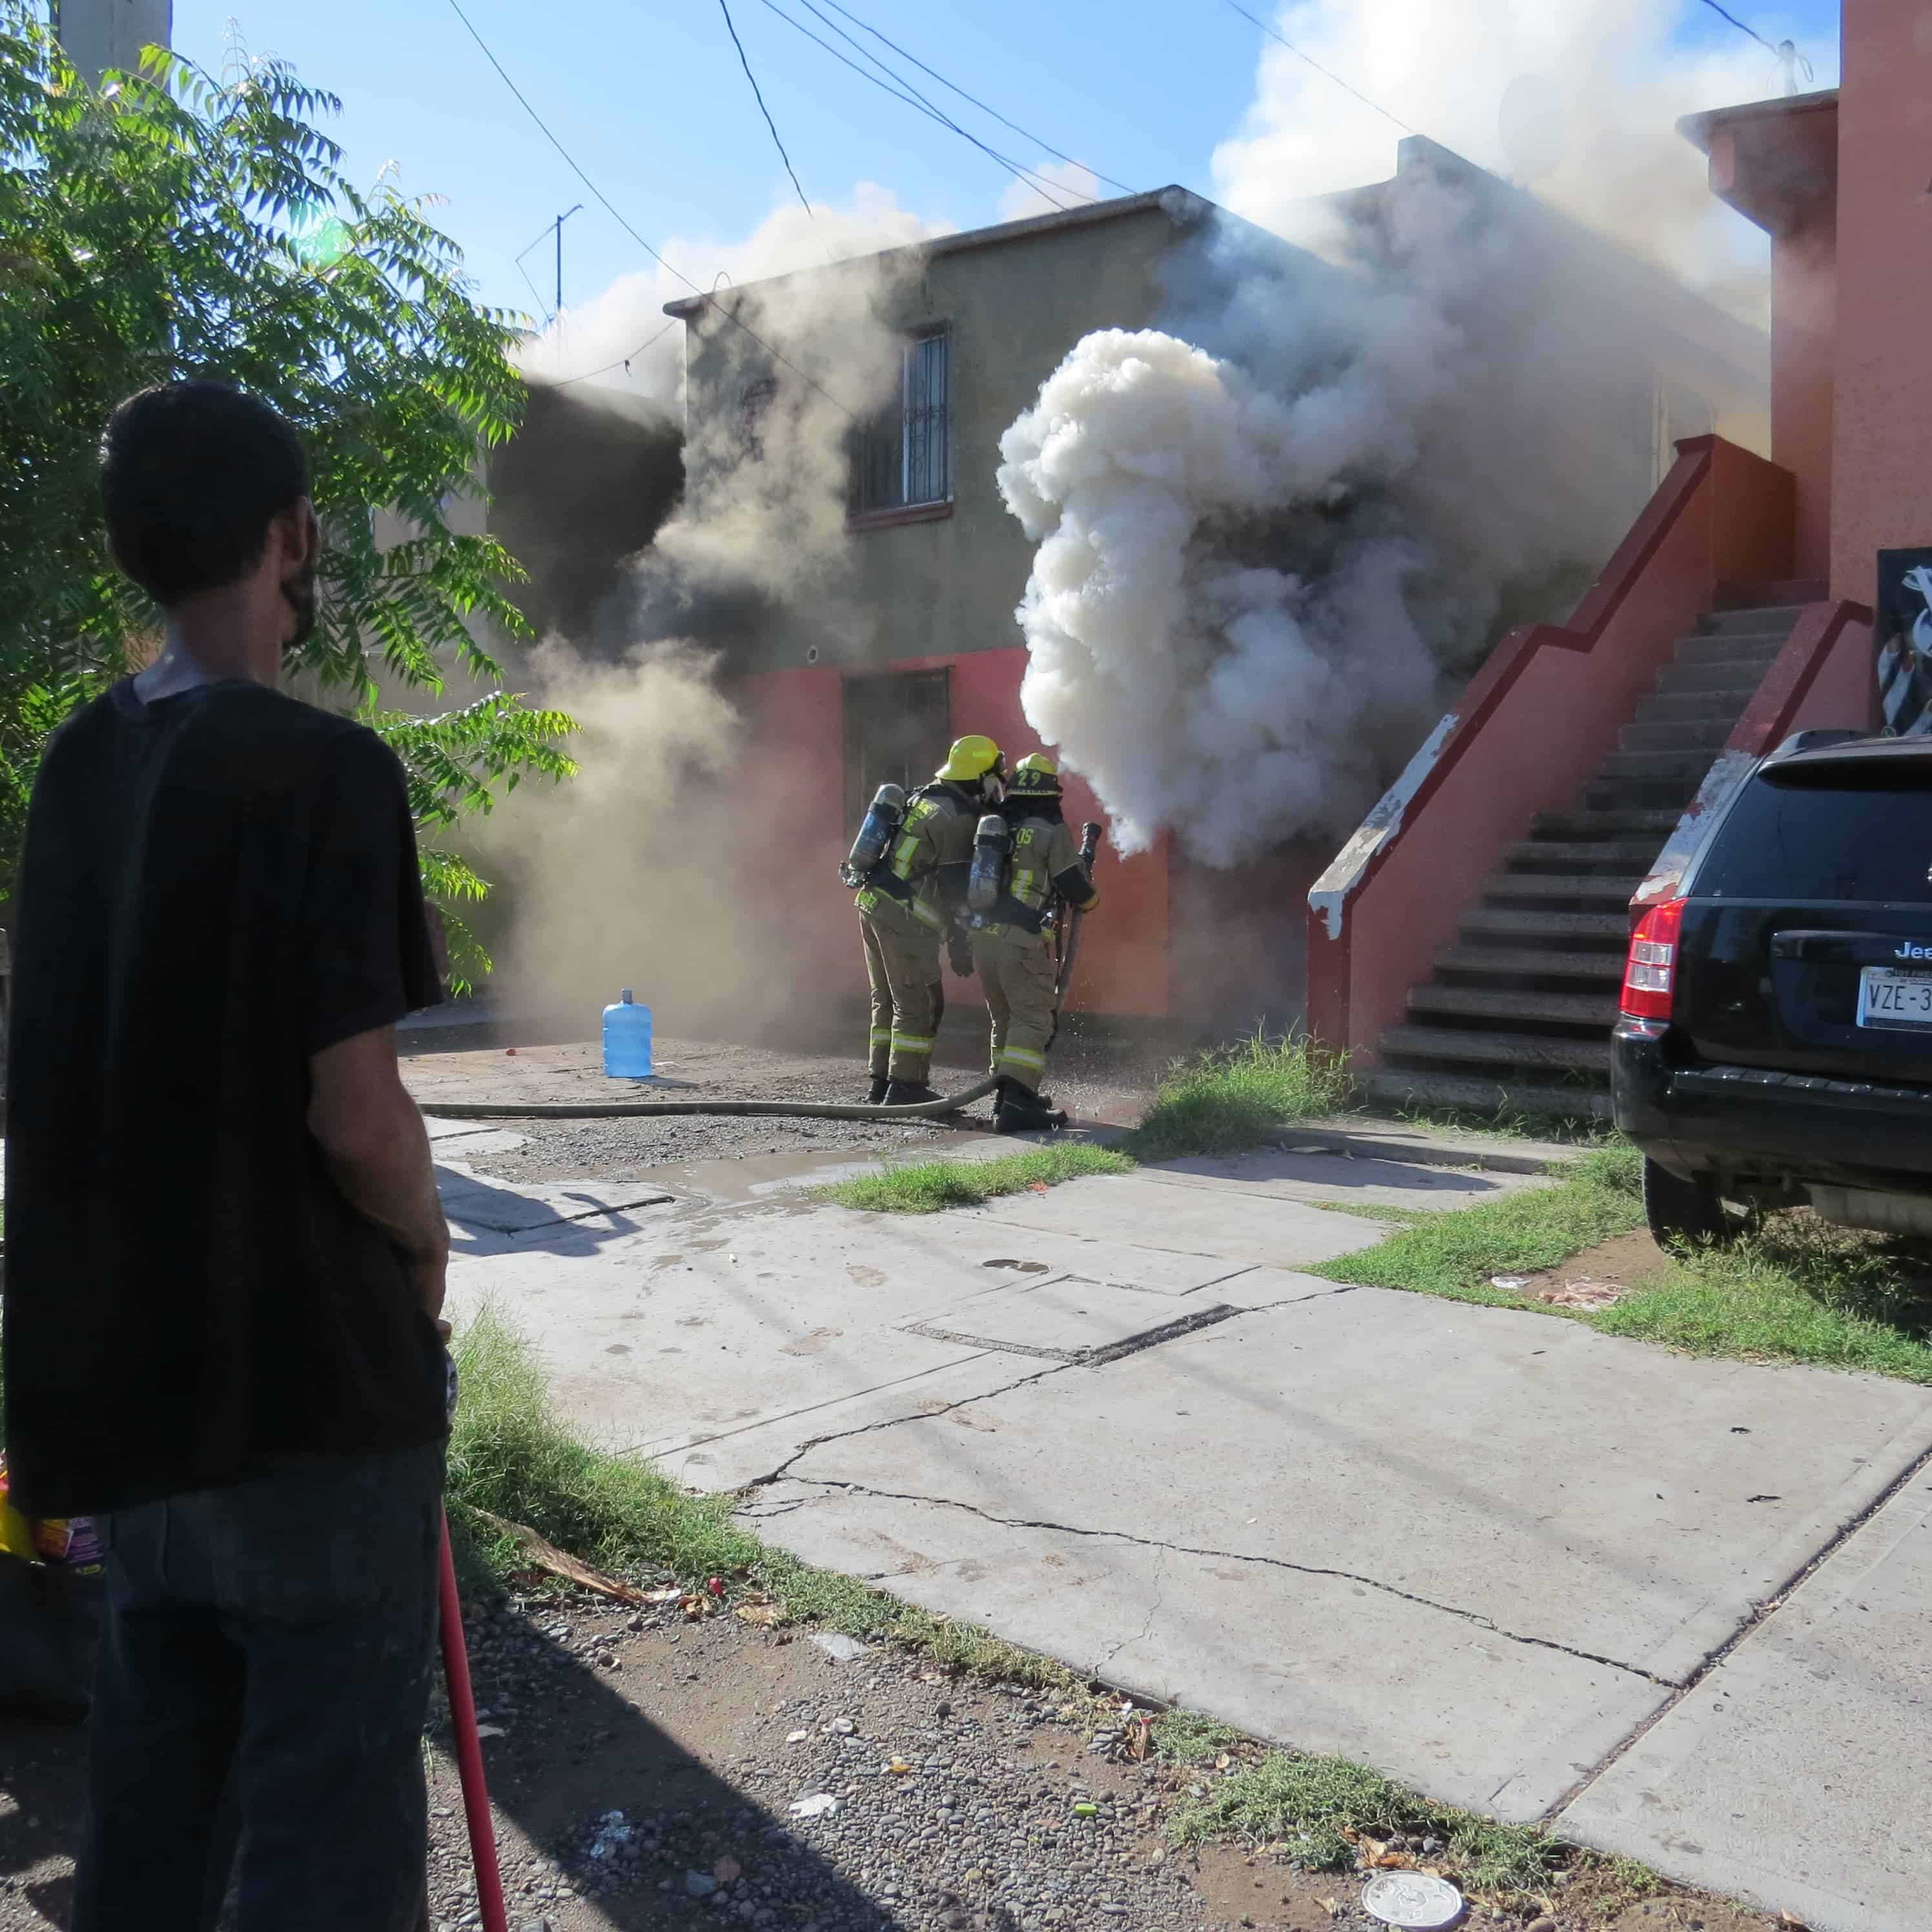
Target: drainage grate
column 1088, row 1358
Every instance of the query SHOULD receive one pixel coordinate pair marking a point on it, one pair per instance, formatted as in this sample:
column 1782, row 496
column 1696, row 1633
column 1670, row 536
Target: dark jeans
column 265, row 1657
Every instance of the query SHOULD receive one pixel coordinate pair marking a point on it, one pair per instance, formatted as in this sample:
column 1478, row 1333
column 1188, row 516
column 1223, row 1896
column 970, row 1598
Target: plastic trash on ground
column 1416, row 1900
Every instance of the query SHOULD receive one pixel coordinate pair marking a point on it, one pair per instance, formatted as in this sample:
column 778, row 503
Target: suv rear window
column 1829, row 836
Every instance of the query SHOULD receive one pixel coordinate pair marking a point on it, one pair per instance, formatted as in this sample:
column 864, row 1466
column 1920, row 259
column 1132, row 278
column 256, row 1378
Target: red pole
column 469, row 1750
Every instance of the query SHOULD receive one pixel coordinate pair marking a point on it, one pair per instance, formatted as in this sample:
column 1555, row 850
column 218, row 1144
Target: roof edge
column 1698, row 129
column 1180, row 205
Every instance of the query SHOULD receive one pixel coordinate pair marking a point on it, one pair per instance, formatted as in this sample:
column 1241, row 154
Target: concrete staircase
column 1517, row 1015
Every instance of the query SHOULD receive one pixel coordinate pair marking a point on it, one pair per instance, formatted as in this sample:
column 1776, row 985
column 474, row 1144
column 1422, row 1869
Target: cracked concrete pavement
column 1676, row 1606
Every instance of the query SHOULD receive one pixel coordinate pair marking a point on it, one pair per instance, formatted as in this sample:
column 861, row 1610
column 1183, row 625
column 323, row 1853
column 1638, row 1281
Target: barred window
column 755, row 403
column 904, row 457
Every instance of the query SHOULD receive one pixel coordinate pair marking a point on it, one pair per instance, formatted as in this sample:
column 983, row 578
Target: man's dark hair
column 191, row 475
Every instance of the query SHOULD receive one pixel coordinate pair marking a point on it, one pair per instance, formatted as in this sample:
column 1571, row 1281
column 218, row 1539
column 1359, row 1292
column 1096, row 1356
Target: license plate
column 1888, row 997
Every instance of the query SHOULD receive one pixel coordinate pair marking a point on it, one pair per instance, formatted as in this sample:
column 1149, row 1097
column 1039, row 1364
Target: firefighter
column 1012, row 943
column 910, row 901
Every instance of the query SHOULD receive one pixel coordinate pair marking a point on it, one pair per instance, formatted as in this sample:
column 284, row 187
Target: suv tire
column 1680, row 1210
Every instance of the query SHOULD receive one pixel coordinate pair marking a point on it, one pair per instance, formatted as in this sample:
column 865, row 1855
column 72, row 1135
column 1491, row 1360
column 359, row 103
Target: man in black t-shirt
column 226, row 1255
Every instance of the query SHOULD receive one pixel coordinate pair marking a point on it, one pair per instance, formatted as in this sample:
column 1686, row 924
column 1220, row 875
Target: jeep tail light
column 1650, row 972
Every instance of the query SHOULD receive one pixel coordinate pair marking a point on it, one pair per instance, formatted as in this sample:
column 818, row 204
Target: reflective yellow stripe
column 1024, row 1056
column 882, row 1036
column 911, row 1043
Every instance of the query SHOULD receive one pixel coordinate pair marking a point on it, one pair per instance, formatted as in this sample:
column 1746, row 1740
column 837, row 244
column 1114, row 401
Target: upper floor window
column 904, row 456
column 755, row 404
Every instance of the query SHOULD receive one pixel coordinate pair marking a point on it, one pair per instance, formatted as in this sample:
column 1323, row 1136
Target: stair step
column 1676, row 735
column 1690, row 707
column 1606, row 889
column 1727, row 680
column 1641, row 822
column 1397, row 1087
column 1787, row 591
column 1500, row 962
column 1778, row 617
column 1599, row 929
column 1596, row 1011
column 1670, row 767
column 1731, row 647
column 1539, row 1052
column 1624, row 855
column 1670, row 795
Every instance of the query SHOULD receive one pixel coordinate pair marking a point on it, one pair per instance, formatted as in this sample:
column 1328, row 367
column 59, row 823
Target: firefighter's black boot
column 880, row 1085
column 908, row 1093
column 1017, row 1110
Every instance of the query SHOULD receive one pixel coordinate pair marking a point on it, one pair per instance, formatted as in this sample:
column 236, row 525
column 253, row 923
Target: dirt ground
column 644, row 1769
column 1596, row 1276
column 1098, row 1082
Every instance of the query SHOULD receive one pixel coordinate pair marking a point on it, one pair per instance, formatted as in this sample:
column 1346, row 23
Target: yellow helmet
column 971, row 758
column 1035, row 776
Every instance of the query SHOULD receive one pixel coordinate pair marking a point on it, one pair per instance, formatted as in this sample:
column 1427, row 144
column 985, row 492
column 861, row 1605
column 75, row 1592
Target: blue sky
column 650, row 96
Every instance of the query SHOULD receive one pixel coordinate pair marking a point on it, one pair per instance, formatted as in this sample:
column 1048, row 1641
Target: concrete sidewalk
column 1676, row 1606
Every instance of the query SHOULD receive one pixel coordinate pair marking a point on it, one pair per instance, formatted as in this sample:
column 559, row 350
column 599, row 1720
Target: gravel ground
column 643, row 1770
column 1095, row 1082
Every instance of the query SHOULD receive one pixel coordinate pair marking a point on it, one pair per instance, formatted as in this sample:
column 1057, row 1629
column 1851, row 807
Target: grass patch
column 1222, row 1101
column 1800, row 1290
column 1185, row 1737
column 1314, row 1809
column 509, row 1454
column 925, row 1186
column 1453, row 1253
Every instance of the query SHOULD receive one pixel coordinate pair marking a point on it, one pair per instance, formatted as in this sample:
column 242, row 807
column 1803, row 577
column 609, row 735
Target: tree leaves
column 149, row 231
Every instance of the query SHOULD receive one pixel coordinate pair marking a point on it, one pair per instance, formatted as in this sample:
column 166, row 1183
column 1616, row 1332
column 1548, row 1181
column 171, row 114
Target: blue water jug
column 627, row 1040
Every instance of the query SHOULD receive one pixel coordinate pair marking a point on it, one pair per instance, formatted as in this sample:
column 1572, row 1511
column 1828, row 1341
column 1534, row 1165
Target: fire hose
column 623, row 1110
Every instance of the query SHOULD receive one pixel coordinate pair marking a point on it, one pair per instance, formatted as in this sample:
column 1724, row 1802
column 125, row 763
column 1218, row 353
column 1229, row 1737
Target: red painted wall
column 1882, row 405
column 795, row 764
column 1535, row 725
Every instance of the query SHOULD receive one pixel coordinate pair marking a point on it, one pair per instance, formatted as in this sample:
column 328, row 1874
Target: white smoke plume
column 633, row 874
column 589, row 347
column 1593, row 89
column 654, row 867
column 1274, row 539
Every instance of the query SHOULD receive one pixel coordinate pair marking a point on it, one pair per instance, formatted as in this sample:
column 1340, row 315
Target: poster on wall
column 1902, row 630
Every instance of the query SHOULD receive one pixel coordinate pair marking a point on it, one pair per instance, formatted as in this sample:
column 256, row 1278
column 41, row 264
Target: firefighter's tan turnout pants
column 908, row 995
column 1016, row 972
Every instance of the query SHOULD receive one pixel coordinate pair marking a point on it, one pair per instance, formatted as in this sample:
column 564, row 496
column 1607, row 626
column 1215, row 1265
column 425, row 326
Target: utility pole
column 97, row 35
column 560, row 221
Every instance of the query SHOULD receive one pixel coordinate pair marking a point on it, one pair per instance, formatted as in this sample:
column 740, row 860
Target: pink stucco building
column 1465, row 946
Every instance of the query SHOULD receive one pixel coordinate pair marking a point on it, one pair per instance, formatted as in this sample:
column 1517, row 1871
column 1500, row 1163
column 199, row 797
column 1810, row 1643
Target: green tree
column 168, row 225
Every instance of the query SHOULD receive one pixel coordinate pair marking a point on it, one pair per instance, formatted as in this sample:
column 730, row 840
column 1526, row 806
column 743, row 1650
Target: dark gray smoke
column 584, row 485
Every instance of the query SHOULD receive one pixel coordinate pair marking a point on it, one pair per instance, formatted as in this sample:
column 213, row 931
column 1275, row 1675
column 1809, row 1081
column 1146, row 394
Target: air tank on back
column 987, row 881
column 882, row 820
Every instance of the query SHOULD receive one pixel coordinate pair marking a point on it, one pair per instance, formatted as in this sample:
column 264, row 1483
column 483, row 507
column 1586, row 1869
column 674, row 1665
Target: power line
column 926, row 105
column 757, row 93
column 953, row 87
column 1740, row 26
column 902, row 89
column 623, row 362
column 604, row 201
column 1327, row 73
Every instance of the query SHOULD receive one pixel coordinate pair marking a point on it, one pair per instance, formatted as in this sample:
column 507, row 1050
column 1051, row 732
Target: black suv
column 1775, row 1045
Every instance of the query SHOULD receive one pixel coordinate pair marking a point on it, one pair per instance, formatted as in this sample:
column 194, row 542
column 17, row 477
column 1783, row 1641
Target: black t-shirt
column 214, row 886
